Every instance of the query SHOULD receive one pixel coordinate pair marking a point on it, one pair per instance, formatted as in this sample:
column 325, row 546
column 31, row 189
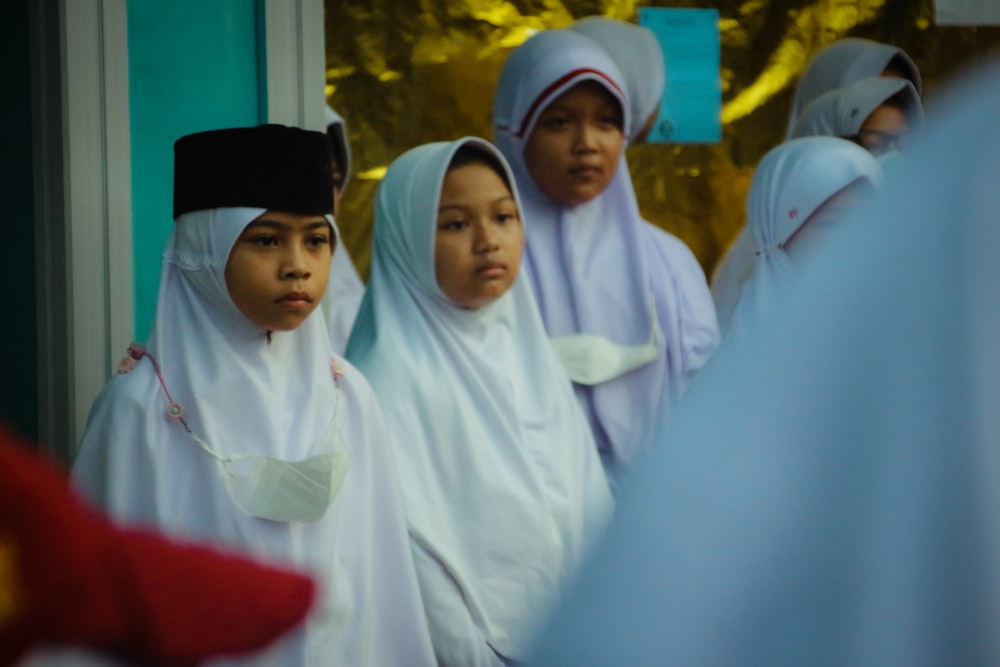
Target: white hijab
column 841, row 112
column 638, row 55
column 838, row 65
column 837, row 113
column 598, row 268
column 845, row 508
column 790, row 183
column 344, row 288
column 846, row 61
column 501, row 481
column 244, row 395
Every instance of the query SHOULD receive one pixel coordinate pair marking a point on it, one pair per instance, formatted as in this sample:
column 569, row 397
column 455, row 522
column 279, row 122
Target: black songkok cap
column 269, row 166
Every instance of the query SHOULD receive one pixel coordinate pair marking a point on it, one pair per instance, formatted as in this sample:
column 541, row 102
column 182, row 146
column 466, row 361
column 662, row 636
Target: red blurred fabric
column 70, row 577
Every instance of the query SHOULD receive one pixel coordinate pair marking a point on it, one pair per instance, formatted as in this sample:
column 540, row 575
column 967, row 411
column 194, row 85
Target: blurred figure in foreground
column 830, row 493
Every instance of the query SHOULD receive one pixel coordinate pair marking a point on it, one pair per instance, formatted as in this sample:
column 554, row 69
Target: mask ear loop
column 175, row 410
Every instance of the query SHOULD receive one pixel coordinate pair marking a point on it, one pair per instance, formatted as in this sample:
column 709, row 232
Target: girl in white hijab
column 344, row 289
column 797, row 191
column 621, row 310
column 237, row 425
column 847, row 509
column 840, row 64
column 501, row 481
column 880, row 114
column 846, row 61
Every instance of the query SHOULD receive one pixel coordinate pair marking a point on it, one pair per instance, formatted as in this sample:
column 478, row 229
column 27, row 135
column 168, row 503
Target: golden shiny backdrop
column 407, row 72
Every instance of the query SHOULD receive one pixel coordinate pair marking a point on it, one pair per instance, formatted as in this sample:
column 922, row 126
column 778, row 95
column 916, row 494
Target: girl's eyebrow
column 277, row 224
column 462, row 207
column 268, row 223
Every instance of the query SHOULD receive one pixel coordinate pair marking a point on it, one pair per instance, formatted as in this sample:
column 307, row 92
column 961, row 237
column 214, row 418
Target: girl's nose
column 586, row 138
column 295, row 265
column 485, row 240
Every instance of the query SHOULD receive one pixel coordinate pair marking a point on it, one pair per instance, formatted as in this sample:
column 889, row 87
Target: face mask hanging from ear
column 591, row 360
column 279, row 490
column 270, row 488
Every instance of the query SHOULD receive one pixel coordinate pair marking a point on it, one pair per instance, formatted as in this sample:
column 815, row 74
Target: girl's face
column 574, row 148
column 477, row 247
column 277, row 270
column 885, row 129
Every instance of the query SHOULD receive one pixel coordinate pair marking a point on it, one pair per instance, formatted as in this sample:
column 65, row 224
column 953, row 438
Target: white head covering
column 336, row 129
column 344, row 288
column 244, row 395
column 841, row 112
column 837, row 113
column 596, row 268
column 790, row 183
column 843, row 62
column 638, row 55
column 831, row 493
column 501, row 481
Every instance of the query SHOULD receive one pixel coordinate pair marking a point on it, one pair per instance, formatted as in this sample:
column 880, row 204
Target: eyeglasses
column 879, row 143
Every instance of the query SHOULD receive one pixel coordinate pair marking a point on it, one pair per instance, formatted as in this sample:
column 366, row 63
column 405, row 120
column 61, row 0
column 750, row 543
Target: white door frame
column 83, row 195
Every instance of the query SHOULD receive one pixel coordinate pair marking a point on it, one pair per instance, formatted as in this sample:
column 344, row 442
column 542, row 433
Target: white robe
column 244, row 394
column 502, row 485
column 598, row 270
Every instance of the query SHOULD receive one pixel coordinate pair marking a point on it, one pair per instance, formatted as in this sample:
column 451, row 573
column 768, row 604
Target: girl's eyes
column 503, row 218
column 265, row 240
column 453, row 225
column 272, row 241
column 555, row 122
column 612, row 120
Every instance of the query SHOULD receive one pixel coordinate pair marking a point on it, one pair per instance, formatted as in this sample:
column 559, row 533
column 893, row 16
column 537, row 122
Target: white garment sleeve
column 458, row 642
column 699, row 328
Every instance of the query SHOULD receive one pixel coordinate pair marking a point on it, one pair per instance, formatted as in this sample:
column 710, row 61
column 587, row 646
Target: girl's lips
column 295, row 300
column 586, row 171
column 492, row 270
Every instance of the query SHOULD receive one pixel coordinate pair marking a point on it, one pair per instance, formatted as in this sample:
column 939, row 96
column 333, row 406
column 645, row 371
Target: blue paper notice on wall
column 692, row 98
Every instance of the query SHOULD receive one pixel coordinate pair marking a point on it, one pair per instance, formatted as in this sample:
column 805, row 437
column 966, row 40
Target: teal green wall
column 193, row 65
column 18, row 369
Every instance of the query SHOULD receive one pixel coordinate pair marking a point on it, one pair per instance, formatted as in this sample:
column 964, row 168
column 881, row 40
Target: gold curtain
column 406, row 72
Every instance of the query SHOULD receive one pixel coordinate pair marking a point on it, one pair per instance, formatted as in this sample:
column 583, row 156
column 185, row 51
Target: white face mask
column 266, row 487
column 269, row 488
column 591, row 360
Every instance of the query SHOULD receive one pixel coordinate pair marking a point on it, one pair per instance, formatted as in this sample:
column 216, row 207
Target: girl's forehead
column 589, row 93
column 589, row 88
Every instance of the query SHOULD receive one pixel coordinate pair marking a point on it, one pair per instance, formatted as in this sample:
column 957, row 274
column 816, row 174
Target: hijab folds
column 609, row 300
column 841, row 112
column 344, row 288
column 210, row 384
column 790, row 183
column 845, row 61
column 501, row 481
